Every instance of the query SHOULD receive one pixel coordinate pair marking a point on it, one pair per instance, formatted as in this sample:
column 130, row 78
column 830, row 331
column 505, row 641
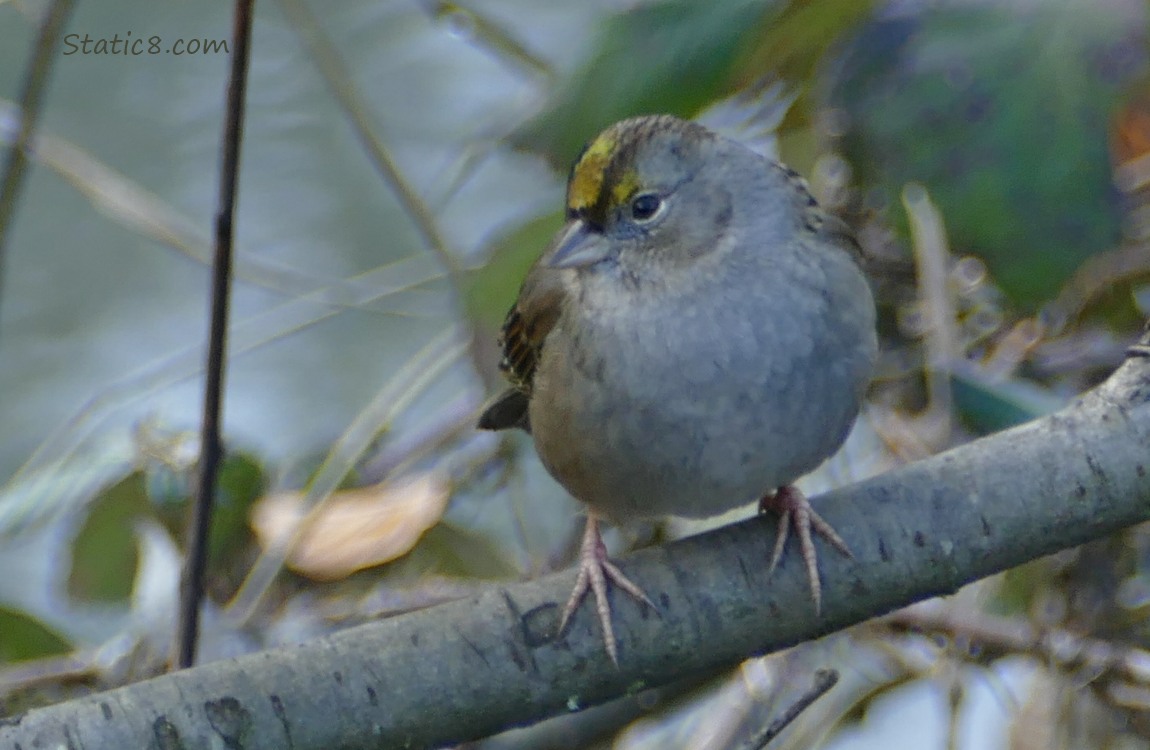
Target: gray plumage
column 706, row 361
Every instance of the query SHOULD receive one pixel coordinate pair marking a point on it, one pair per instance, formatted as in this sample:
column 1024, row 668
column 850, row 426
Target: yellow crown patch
column 601, row 178
column 587, row 175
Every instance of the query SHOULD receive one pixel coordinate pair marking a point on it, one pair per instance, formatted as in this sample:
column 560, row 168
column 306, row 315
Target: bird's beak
column 578, row 246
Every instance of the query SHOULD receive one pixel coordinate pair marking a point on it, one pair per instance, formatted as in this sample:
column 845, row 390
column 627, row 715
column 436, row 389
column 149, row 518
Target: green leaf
column 1002, row 110
column 25, row 637
column 672, row 57
column 988, row 405
column 491, row 289
column 240, row 483
column 52, row 488
column 794, row 46
column 104, row 554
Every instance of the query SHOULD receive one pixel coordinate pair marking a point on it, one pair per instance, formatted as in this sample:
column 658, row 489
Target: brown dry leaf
column 355, row 529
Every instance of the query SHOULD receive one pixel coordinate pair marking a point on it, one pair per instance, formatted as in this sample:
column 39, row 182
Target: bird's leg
column 594, row 571
column 794, row 509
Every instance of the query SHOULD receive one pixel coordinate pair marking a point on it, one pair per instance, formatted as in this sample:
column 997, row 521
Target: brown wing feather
column 527, row 324
column 524, row 331
column 520, row 354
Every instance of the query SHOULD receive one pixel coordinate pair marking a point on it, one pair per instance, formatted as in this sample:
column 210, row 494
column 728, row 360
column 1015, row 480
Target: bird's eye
column 645, row 206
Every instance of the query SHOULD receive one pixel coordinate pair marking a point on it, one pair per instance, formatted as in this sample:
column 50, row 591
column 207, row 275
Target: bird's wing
column 524, row 331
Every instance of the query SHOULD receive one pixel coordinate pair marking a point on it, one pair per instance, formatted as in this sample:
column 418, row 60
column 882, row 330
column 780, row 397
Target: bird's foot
column 594, row 571
column 795, row 510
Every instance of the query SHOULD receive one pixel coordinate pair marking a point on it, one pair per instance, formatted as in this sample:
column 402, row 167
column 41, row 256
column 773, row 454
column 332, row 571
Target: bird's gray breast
column 646, row 407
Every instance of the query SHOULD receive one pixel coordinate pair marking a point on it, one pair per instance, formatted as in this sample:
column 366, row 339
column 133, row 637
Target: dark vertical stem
column 31, row 98
column 192, row 586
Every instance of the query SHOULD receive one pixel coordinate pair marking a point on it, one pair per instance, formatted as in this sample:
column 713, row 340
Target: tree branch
column 469, row 668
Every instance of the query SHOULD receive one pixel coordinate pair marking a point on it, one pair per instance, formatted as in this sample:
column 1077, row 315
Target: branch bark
column 469, row 668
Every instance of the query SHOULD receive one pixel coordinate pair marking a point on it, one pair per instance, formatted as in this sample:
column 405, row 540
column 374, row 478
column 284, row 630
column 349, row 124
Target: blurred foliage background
column 403, row 164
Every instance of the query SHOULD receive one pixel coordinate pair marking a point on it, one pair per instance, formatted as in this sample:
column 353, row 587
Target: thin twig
column 825, row 679
column 1011, row 497
column 140, row 210
column 491, row 37
column 395, row 396
column 998, row 636
column 401, row 452
column 31, row 99
column 192, row 585
column 248, row 334
column 332, row 68
column 931, row 253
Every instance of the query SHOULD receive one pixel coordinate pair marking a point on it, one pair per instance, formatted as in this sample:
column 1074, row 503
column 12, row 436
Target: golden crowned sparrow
column 697, row 336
